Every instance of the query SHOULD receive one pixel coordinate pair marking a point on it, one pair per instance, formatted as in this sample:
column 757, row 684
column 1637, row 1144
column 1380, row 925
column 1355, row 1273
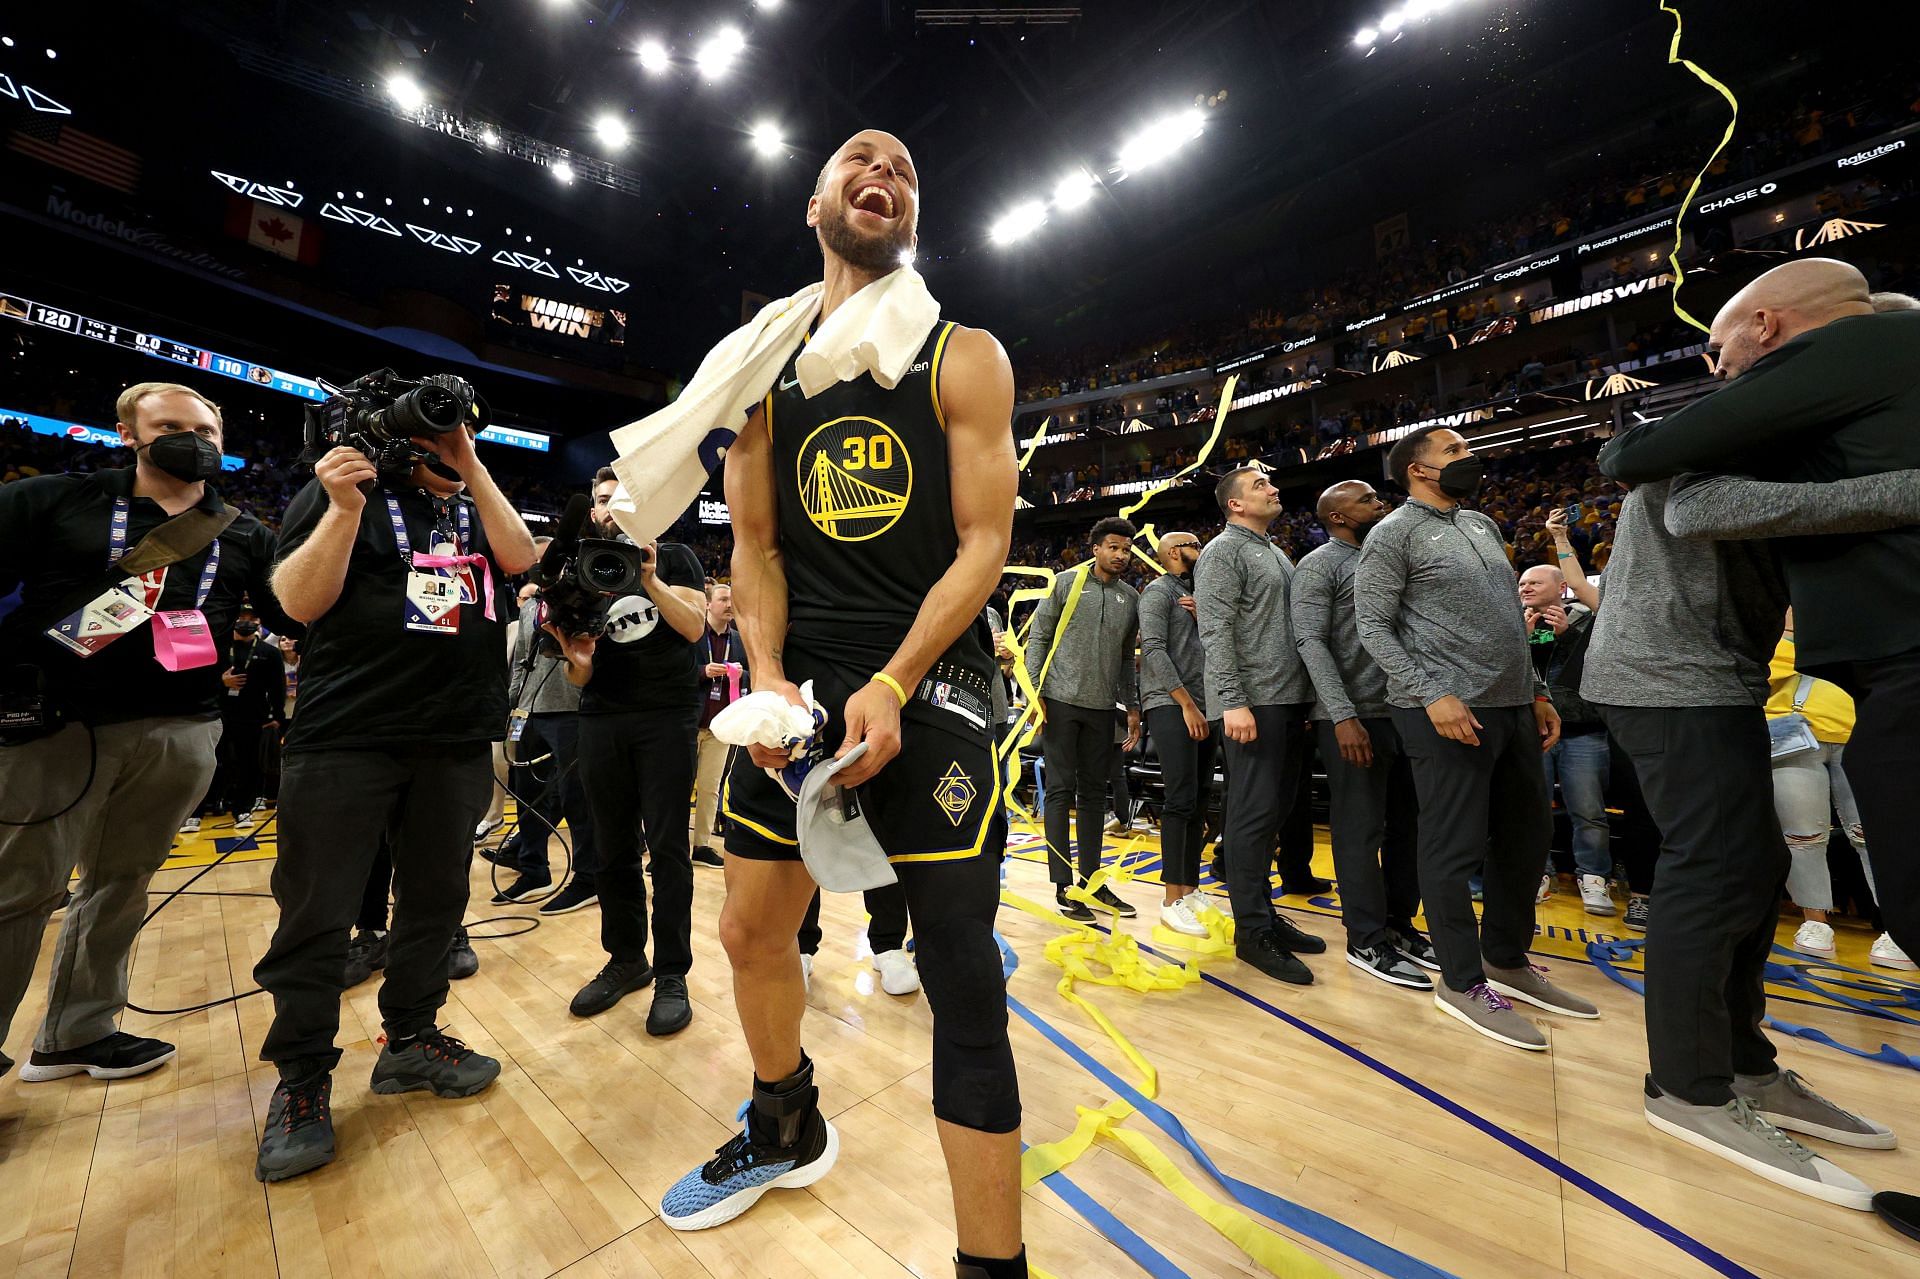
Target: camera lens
column 610, row 570
column 427, row 410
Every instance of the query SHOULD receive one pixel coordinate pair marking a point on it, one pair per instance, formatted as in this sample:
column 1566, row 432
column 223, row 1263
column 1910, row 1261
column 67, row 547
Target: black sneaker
column 784, row 1142
column 1296, row 939
column 433, row 1061
column 1389, row 965
column 299, row 1130
column 505, row 853
column 1414, row 945
column 1311, row 886
column 577, row 895
column 1072, row 908
column 530, row 884
column 1264, row 951
column 6, row 1064
column 671, row 1009
column 1219, row 868
column 366, row 954
column 461, row 961
column 1636, row 917
column 118, row 1056
column 1112, row 901
column 704, row 856
column 612, row 984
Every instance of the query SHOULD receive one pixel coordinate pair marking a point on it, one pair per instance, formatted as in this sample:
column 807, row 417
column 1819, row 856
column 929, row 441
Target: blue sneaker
column 746, row 1167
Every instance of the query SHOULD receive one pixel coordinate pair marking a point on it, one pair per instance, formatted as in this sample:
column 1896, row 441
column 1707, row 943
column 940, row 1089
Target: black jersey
column 865, row 510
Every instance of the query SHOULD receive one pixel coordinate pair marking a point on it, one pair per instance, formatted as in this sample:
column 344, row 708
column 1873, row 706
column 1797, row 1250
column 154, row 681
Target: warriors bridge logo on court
column 954, row 793
column 855, row 478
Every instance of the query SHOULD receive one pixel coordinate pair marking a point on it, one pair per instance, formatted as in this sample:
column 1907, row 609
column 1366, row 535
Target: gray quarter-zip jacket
column 1093, row 668
column 1241, row 585
column 1170, row 653
column 1438, row 606
column 1349, row 683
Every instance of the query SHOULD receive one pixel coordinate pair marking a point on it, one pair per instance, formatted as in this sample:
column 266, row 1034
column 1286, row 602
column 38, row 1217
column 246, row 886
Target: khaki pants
column 706, row 787
column 148, row 774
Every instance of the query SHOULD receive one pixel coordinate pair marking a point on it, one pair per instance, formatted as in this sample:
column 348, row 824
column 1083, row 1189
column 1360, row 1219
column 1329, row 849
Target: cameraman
column 639, row 715
column 253, row 702
column 403, row 685
column 109, row 789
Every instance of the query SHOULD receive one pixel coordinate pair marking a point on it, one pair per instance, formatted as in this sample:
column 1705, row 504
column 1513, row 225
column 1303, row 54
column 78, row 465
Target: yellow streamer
column 1034, row 446
column 1206, row 450
column 1679, row 219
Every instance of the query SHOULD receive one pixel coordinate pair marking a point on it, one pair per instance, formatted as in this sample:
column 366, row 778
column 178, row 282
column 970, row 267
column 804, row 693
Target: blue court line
column 1619, row 1203
column 1116, row 1231
column 1302, row 1220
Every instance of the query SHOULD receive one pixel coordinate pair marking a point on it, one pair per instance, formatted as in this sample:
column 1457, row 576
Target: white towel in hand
column 665, row 458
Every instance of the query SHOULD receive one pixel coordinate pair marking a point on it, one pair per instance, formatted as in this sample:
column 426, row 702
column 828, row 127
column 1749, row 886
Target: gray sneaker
column 1734, row 1132
column 1784, row 1100
column 298, row 1135
column 1489, row 1014
column 436, row 1061
column 1530, row 985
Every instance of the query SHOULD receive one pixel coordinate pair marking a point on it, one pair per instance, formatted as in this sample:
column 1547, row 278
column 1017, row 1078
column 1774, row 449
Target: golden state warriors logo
column 955, row 793
column 855, row 478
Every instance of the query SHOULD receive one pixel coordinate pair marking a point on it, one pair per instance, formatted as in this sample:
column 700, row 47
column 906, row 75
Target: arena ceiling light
column 611, row 130
column 1019, row 222
column 1073, row 190
column 562, row 171
column 716, row 56
column 653, row 57
column 1162, row 139
column 406, row 94
column 1391, row 23
column 767, row 140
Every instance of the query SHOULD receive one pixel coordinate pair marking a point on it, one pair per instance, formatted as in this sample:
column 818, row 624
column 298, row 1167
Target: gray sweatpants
column 148, row 775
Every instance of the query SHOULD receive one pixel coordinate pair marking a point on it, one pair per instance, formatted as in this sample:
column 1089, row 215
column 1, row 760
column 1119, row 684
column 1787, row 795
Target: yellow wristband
column 881, row 677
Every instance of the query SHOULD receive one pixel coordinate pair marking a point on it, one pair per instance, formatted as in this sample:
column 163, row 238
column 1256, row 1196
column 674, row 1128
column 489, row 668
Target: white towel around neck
column 664, row 459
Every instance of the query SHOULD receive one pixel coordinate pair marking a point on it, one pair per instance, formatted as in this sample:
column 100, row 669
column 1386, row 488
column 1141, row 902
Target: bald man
column 1824, row 387
column 1821, row 388
column 1557, row 634
column 1373, row 807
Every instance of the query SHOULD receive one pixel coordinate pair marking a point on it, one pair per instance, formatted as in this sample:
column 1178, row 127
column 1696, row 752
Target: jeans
column 147, row 773
column 1078, row 746
column 556, row 735
column 335, row 805
column 1806, row 791
column 1579, row 764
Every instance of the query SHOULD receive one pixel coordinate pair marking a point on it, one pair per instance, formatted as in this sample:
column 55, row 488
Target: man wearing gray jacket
column 1373, row 808
column 1173, row 669
column 1439, row 609
column 1259, row 691
column 1083, row 662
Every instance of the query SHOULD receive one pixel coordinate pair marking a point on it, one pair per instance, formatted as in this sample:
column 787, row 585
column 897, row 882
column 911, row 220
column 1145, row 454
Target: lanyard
column 117, row 547
column 400, row 528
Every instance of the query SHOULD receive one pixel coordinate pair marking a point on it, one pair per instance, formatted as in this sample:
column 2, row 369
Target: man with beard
column 253, row 700
column 403, row 686
column 724, row 679
column 639, row 715
column 1173, row 669
column 870, row 526
column 1373, row 808
column 1439, row 608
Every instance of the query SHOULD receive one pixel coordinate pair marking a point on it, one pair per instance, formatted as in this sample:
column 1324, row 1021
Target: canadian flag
column 275, row 229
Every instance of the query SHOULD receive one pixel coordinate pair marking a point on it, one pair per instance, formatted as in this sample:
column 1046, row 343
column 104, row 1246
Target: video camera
column 378, row 413
column 580, row 577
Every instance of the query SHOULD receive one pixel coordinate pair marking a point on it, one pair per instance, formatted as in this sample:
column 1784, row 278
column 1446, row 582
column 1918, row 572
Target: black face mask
column 442, row 470
column 1460, row 478
column 245, row 630
column 185, row 455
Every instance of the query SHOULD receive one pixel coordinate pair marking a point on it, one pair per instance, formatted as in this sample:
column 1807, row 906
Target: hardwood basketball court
column 1407, row 1128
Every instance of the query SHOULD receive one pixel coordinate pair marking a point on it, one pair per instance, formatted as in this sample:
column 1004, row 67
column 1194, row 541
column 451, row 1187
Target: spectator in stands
column 1557, row 632
column 1080, row 649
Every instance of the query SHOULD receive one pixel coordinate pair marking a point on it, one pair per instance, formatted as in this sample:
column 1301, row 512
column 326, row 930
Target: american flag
column 65, row 147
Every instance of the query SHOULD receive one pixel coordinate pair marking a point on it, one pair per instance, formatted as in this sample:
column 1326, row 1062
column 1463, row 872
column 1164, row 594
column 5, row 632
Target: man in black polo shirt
column 639, row 715
column 109, row 790
column 403, row 685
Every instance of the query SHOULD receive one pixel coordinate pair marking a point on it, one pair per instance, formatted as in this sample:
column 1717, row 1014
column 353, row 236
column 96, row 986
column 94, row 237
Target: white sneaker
column 260, row 805
column 1546, row 890
column 190, row 827
column 1595, row 895
column 1180, row 918
column 806, row 973
column 898, row 976
column 1814, row 939
column 243, row 821
column 1886, row 953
